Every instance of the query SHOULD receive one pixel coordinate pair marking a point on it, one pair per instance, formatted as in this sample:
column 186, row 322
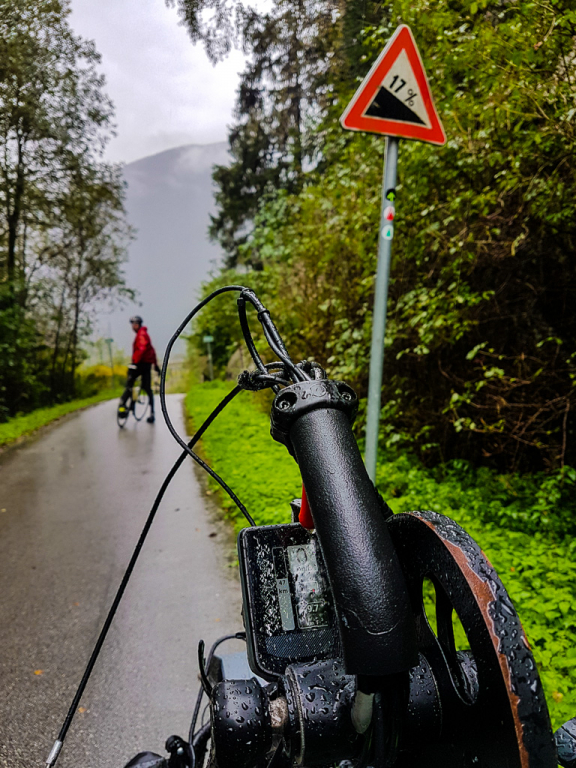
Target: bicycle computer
column 288, row 606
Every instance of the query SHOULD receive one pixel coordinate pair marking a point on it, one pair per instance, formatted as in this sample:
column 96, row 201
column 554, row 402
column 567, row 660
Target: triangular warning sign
column 395, row 97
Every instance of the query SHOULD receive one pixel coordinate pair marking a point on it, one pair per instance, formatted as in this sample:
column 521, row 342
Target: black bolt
column 283, row 405
column 346, row 396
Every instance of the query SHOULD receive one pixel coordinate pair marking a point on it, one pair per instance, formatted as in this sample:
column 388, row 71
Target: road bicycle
column 137, row 404
column 347, row 666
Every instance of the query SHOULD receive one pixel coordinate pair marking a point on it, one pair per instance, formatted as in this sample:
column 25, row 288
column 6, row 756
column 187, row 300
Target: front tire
column 492, row 710
column 140, row 404
column 122, row 418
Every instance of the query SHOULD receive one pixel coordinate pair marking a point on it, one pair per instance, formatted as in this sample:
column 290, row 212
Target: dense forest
column 480, row 351
column 63, row 232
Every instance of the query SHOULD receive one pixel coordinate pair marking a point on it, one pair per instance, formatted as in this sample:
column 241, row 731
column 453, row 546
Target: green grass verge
column 21, row 426
column 538, row 570
column 239, row 445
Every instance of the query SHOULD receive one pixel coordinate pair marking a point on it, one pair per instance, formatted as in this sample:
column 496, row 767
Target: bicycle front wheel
column 140, row 404
column 122, row 418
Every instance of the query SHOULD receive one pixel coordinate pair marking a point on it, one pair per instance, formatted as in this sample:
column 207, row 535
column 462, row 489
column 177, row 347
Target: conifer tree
column 282, row 97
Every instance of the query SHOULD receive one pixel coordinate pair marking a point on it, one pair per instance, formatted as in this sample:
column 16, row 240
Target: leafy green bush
column 538, row 570
column 23, row 380
column 90, row 380
column 480, row 341
column 526, row 503
column 19, row 426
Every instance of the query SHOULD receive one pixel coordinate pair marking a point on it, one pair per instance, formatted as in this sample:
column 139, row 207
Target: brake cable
column 55, row 751
column 276, row 344
column 205, row 668
column 272, row 334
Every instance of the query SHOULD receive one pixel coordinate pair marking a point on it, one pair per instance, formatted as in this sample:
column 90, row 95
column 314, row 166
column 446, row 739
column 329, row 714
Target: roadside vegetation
column 537, row 564
column 479, row 394
column 63, row 230
column 481, row 338
column 19, row 427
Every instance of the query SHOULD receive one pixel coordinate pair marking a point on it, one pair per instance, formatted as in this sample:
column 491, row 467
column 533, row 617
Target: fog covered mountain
column 169, row 199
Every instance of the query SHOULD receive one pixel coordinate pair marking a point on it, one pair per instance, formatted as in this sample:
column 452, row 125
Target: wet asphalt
column 72, row 505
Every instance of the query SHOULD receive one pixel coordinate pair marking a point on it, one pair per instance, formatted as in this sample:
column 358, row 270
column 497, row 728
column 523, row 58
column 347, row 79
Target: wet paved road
column 73, row 503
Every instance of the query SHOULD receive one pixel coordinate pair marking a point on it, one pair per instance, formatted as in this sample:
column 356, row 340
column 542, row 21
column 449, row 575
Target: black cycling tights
column 143, row 370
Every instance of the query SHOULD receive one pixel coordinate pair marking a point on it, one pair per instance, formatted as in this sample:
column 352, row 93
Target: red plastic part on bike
column 305, row 516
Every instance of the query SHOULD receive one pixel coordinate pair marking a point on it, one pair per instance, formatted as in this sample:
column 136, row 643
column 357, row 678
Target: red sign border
column 353, row 118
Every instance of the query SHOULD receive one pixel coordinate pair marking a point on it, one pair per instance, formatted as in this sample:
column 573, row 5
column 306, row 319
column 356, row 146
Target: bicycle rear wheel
column 140, row 404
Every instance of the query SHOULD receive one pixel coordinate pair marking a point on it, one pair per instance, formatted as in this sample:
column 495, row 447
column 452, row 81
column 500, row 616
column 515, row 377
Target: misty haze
column 169, row 201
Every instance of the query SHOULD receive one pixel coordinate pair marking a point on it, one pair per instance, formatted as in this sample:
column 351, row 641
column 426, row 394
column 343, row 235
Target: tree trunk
column 75, row 337
column 57, row 345
column 14, row 217
column 297, row 92
column 66, row 355
column 76, row 315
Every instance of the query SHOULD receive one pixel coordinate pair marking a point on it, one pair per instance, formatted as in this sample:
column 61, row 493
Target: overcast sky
column 165, row 91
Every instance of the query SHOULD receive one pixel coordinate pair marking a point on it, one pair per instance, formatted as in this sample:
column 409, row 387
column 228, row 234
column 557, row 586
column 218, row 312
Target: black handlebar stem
column 314, row 420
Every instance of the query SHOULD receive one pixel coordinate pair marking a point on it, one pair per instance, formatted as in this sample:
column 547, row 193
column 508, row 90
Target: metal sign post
column 394, row 100
column 385, row 236
column 109, row 345
column 208, row 341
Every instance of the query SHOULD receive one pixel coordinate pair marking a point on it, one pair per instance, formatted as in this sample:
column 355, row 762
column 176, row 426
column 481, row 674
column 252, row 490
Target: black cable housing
column 204, row 667
column 261, row 380
column 126, row 577
column 167, row 419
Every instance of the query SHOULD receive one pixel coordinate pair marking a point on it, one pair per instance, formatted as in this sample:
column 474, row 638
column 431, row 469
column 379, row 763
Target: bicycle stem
column 314, row 420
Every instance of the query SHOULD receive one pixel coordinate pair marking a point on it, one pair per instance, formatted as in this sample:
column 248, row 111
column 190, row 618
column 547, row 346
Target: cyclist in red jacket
column 143, row 358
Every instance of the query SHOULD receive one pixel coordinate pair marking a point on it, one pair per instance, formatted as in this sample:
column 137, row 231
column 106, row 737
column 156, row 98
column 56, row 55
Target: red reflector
column 305, row 516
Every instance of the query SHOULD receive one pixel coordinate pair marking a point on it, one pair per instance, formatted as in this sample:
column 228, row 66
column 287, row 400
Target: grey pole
column 109, row 344
column 385, row 236
column 210, row 364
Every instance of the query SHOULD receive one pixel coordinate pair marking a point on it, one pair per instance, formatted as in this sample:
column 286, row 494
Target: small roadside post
column 208, row 341
column 394, row 100
column 109, row 345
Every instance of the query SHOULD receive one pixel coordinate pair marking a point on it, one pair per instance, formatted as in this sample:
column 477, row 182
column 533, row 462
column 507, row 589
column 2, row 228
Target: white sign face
column 403, row 100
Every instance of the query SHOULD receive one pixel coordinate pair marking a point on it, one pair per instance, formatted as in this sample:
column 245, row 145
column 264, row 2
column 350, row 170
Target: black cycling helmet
column 136, row 319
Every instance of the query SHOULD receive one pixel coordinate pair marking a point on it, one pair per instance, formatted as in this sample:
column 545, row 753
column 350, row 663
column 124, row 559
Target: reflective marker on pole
column 388, row 211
